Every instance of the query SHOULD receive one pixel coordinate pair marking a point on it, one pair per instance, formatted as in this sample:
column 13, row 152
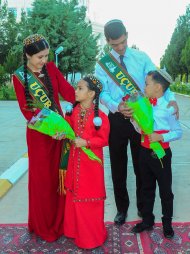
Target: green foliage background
column 176, row 58
column 63, row 23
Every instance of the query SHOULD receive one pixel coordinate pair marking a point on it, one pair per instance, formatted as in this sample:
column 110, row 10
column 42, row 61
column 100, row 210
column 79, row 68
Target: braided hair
column 33, row 44
column 94, row 85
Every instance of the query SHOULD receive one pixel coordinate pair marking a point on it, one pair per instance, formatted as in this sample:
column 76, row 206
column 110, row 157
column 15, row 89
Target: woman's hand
column 59, row 136
column 79, row 142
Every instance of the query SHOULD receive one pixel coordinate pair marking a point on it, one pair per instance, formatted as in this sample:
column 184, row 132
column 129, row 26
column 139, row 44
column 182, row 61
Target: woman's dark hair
column 34, row 44
column 94, row 85
column 114, row 29
column 159, row 78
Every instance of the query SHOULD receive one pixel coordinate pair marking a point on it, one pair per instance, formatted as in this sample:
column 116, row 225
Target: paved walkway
column 13, row 206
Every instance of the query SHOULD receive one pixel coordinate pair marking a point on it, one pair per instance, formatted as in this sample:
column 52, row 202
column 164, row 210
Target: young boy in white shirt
column 166, row 129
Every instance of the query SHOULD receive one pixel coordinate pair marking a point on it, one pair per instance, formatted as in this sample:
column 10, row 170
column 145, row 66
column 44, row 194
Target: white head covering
column 165, row 75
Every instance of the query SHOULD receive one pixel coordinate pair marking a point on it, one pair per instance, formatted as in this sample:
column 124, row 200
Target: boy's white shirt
column 164, row 119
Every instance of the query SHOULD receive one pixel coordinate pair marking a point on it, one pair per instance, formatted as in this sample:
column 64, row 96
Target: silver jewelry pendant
column 41, row 75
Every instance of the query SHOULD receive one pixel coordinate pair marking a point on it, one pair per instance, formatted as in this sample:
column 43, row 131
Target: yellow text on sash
column 34, row 86
column 38, row 92
column 125, row 82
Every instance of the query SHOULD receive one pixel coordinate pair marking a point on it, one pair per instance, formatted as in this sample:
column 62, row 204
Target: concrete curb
column 185, row 95
column 13, row 174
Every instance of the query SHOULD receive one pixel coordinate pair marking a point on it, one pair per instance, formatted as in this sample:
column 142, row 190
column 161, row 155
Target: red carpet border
column 15, row 238
column 154, row 241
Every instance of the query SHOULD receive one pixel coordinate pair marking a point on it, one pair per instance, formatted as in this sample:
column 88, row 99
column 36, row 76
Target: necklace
column 41, row 75
column 82, row 118
column 84, row 110
column 82, row 114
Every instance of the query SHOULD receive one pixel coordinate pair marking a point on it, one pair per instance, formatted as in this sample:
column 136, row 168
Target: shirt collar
column 160, row 100
column 116, row 55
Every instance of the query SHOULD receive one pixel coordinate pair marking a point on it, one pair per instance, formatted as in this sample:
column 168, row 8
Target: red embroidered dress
column 46, row 207
column 84, row 208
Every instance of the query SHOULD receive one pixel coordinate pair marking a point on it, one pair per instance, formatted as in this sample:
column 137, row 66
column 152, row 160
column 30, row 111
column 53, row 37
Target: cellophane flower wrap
column 143, row 116
column 50, row 123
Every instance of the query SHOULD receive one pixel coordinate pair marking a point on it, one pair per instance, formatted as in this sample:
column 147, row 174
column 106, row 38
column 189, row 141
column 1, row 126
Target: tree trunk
column 187, row 76
column 72, row 77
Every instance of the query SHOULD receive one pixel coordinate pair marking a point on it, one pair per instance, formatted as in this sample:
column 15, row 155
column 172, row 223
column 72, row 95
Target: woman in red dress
column 84, row 183
column 42, row 81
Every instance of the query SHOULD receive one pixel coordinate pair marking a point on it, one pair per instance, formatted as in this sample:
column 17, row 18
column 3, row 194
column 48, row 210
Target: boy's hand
column 174, row 104
column 154, row 137
column 79, row 142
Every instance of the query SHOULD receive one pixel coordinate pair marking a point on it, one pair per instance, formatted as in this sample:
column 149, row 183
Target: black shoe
column 168, row 232
column 120, row 218
column 140, row 227
column 167, row 227
column 139, row 214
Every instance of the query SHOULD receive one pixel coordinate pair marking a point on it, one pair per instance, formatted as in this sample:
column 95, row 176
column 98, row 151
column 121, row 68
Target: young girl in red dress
column 43, row 82
column 85, row 189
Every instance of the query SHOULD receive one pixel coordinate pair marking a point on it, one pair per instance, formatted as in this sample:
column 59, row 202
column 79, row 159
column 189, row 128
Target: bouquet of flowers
column 51, row 123
column 143, row 116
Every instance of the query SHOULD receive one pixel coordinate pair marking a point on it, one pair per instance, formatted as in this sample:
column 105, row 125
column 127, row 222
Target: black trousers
column 122, row 133
column 152, row 172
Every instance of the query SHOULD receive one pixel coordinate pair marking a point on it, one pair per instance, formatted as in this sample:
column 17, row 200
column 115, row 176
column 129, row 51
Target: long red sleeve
column 64, row 88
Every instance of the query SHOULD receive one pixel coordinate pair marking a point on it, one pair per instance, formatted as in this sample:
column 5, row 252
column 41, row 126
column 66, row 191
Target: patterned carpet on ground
column 15, row 238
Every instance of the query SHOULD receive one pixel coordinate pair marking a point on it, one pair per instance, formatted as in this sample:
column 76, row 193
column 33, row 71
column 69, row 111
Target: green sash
column 39, row 92
column 36, row 88
column 118, row 74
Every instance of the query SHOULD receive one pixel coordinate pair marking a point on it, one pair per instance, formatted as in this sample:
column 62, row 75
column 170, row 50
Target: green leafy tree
column 172, row 58
column 185, row 58
column 8, row 32
column 24, row 29
column 12, row 62
column 106, row 49
column 3, row 76
column 63, row 23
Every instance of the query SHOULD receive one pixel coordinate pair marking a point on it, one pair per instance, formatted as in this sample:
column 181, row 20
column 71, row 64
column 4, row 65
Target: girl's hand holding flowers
column 79, row 142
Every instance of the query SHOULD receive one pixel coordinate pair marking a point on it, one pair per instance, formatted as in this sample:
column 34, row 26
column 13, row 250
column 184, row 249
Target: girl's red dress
column 46, row 207
column 84, row 207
